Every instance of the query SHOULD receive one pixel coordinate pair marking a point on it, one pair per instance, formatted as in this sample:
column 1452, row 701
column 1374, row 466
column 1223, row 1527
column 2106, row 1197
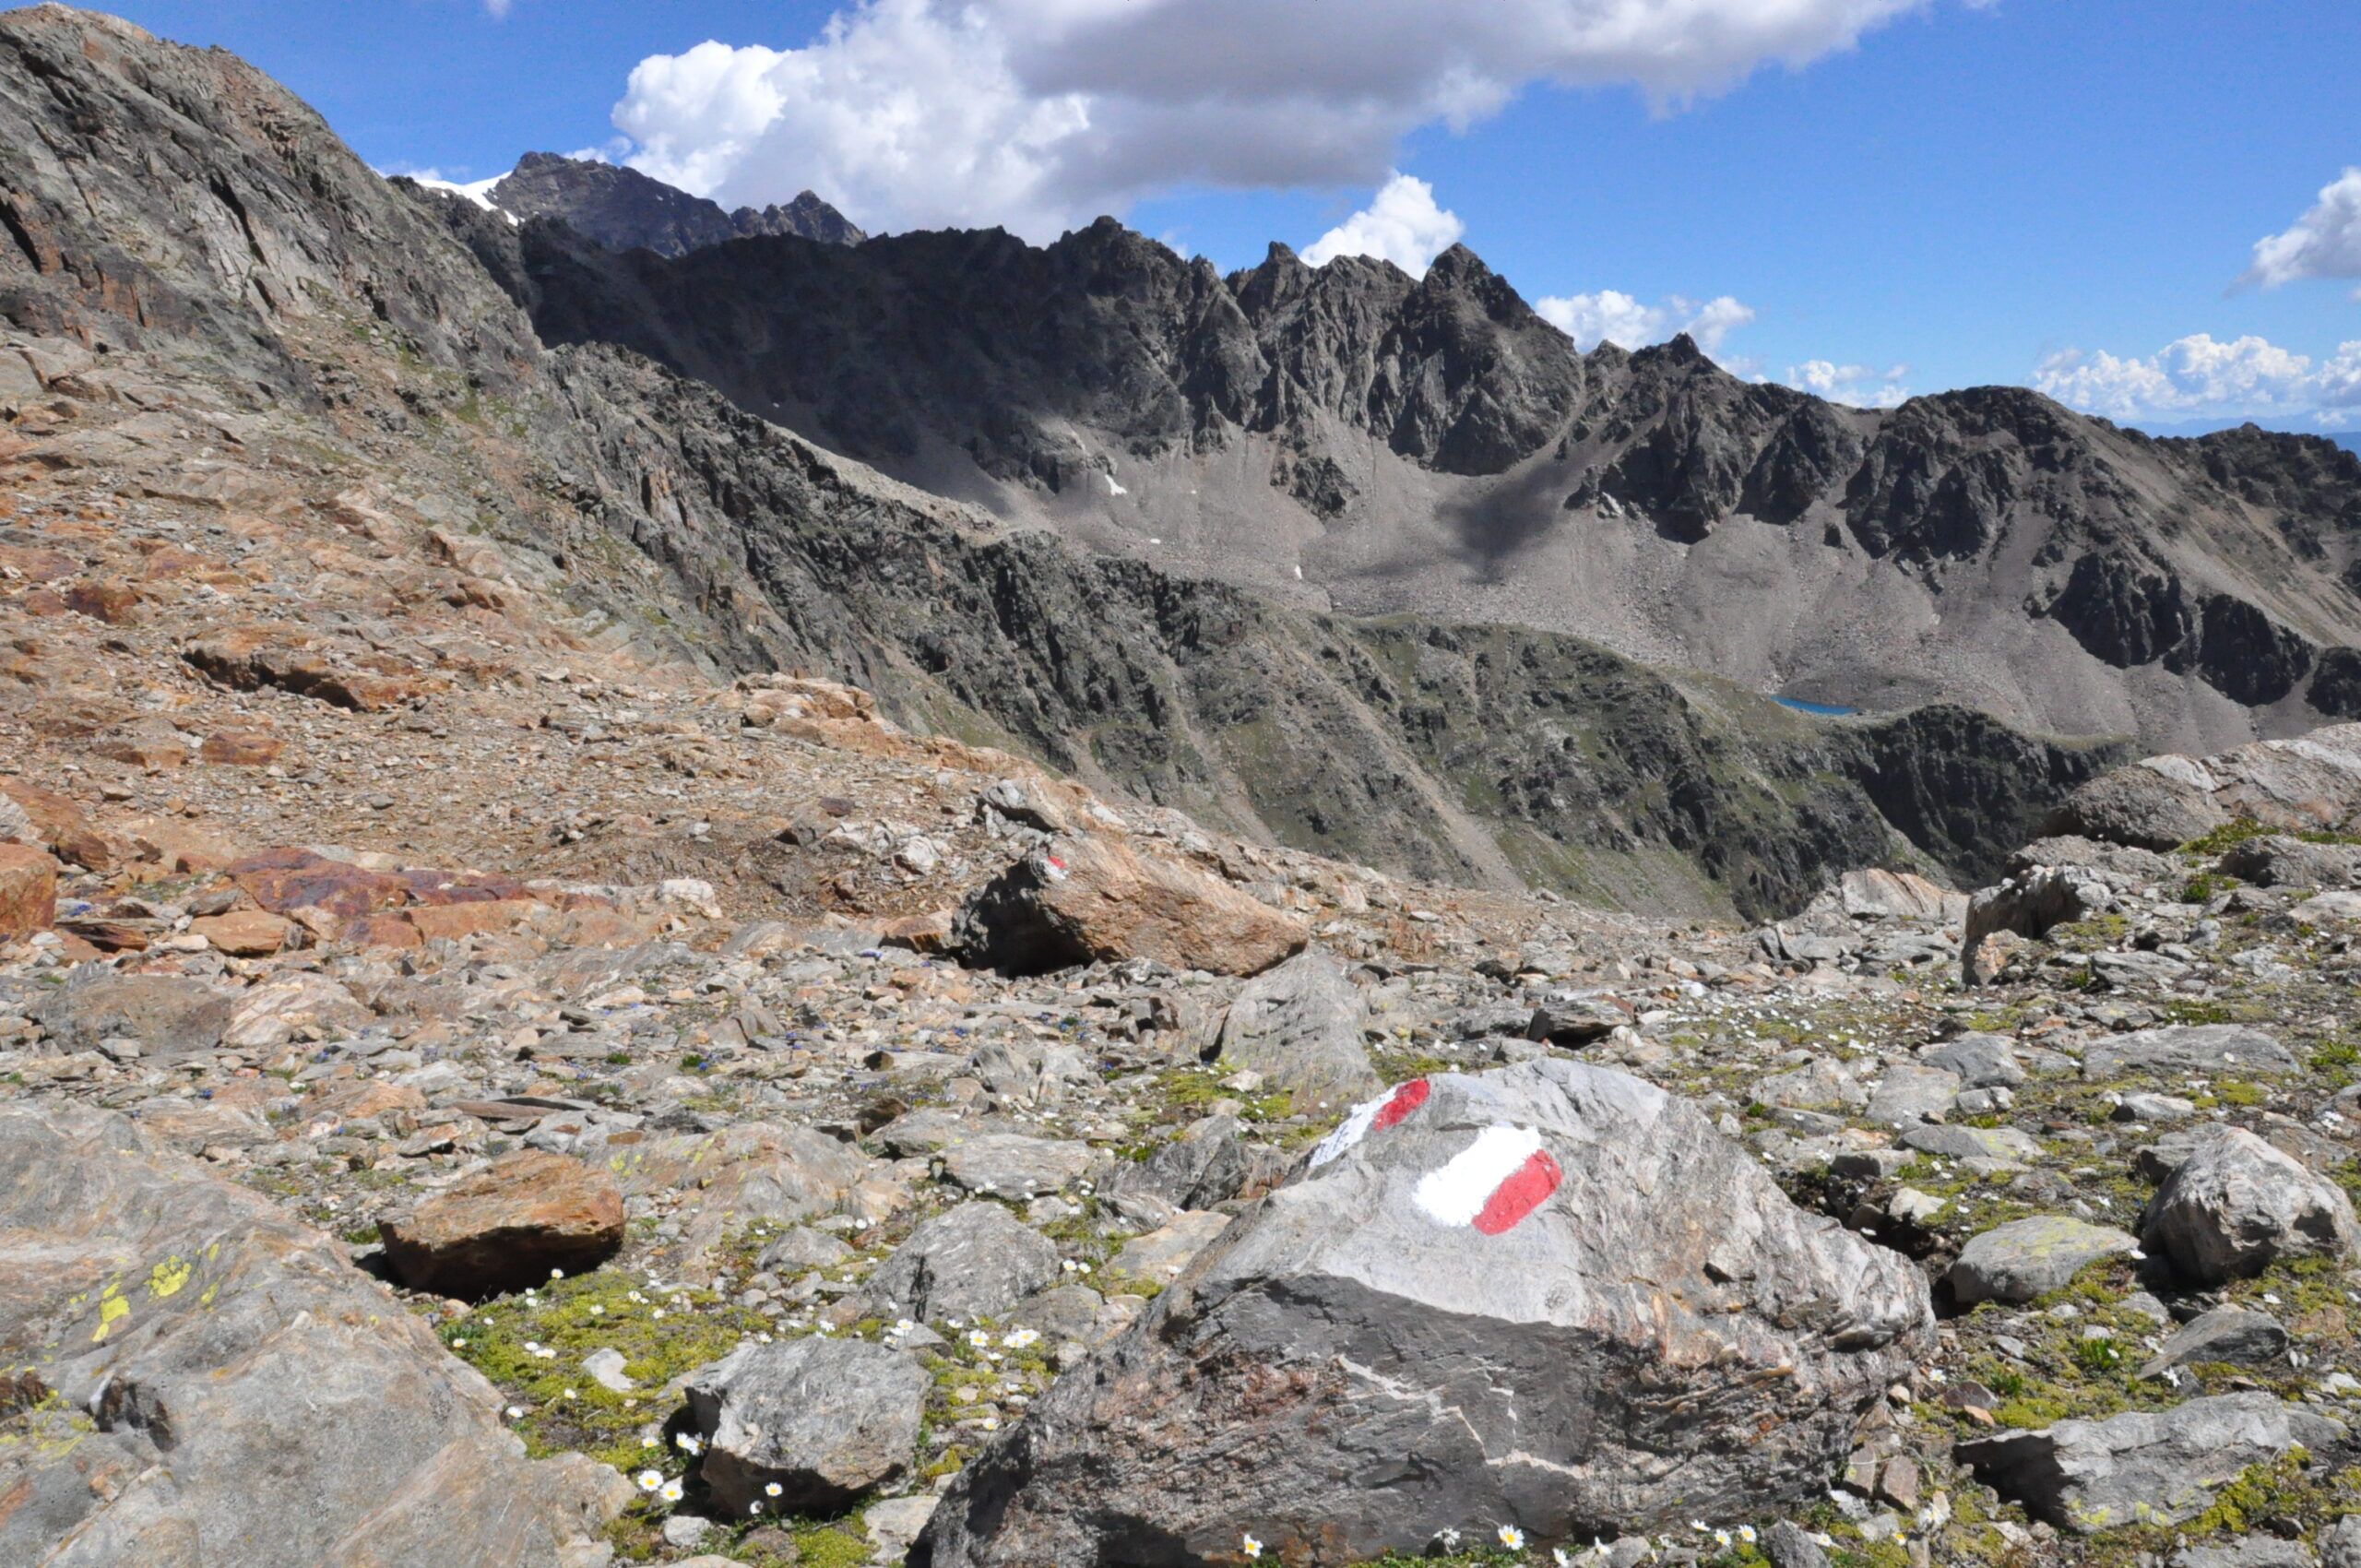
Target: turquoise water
column 1820, row 708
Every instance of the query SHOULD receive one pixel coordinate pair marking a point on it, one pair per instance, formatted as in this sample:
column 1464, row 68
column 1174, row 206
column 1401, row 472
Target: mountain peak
column 623, row 209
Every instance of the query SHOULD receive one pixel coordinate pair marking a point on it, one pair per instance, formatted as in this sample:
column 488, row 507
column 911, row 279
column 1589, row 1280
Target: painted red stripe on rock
column 1525, row 1190
column 1406, row 1099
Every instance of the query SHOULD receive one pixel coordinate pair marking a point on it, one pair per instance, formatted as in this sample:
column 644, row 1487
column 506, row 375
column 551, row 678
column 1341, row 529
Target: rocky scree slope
column 1431, row 445
column 379, row 841
column 677, row 520
column 623, row 209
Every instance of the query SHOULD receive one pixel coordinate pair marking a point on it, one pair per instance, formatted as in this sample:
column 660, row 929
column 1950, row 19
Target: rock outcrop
column 2143, row 1467
column 1558, row 1286
column 206, row 1380
column 1078, row 899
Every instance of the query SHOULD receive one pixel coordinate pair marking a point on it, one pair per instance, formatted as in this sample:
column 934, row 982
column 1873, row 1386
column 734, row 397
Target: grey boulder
column 1973, row 1143
column 1299, row 1025
column 1014, row 1166
column 2215, row 1048
column 977, row 1260
column 2229, row 1335
column 1982, row 1062
column 2029, row 905
column 2032, row 1257
column 2276, row 859
column 1208, row 1164
column 2237, row 1204
column 1551, row 1296
column 2139, row 805
column 823, row 1420
column 1909, row 1094
column 2341, row 1543
column 198, row 1379
column 2143, row 1468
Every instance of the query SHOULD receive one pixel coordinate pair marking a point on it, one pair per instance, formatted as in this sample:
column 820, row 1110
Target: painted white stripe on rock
column 1456, row 1192
column 1350, row 1131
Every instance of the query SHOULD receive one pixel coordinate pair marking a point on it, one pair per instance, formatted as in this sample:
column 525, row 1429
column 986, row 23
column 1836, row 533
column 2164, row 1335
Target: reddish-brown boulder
column 28, row 891
column 285, row 880
column 242, row 748
column 507, row 1226
column 1078, row 899
column 245, row 934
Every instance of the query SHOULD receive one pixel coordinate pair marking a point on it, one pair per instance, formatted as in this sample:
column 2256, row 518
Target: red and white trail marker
column 1492, row 1184
column 1372, row 1116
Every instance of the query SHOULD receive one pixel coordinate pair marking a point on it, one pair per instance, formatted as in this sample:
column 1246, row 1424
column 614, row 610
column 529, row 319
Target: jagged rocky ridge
column 1433, row 444
column 1480, row 755
column 623, row 209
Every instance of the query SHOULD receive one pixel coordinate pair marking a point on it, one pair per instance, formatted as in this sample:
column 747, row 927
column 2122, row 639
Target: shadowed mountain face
column 178, row 204
column 1431, row 445
column 623, row 209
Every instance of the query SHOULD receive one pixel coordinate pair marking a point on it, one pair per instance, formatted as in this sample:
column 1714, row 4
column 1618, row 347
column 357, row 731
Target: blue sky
column 1937, row 193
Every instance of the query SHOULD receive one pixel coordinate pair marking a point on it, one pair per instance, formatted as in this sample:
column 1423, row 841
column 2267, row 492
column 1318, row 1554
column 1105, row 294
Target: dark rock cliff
column 2231, row 559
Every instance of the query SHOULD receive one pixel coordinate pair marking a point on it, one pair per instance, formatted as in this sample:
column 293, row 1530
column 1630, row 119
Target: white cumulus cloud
column 2323, row 243
column 1611, row 316
column 1864, row 386
column 2200, row 375
column 1038, row 114
column 1403, row 225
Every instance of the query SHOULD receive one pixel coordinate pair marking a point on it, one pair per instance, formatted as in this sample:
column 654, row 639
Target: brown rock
column 242, row 748
column 356, row 1097
column 28, row 891
column 286, row 880
column 1078, row 899
column 247, row 934
column 59, row 826
column 146, row 744
column 379, row 931
column 507, row 1227
column 920, row 934
column 180, row 847
column 115, row 603
column 448, row 922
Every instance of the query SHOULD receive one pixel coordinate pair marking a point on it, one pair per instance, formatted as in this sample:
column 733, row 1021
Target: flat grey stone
column 2032, row 1257
column 2215, row 1050
column 1011, row 1165
column 2246, row 1551
column 2157, row 1467
column 2230, row 1335
column 1908, row 1093
column 1965, row 1142
column 1160, row 1256
column 803, row 1248
column 2162, row 1109
column 1981, row 1061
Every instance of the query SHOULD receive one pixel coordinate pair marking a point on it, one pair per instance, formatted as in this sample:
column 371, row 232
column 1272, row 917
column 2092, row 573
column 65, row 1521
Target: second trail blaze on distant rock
column 1492, row 1184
